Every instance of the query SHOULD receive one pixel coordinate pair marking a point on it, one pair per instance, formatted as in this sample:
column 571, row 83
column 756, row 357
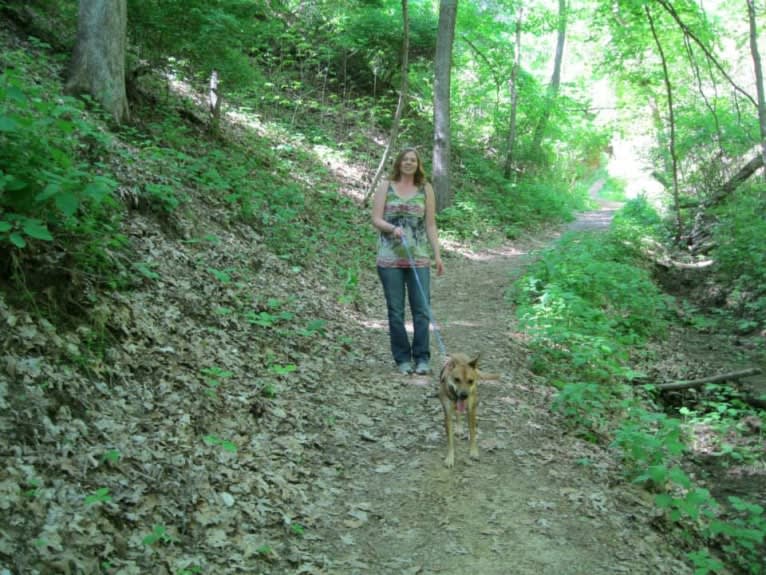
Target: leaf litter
column 339, row 470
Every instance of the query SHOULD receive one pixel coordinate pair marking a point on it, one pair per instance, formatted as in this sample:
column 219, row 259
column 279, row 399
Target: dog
column 458, row 393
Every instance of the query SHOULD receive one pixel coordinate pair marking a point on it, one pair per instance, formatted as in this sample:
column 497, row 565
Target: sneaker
column 422, row 368
column 405, row 368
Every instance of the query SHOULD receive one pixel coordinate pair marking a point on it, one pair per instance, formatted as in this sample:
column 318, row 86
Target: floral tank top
column 410, row 215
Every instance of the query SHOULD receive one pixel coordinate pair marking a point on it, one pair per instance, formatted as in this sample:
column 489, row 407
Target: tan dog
column 458, row 394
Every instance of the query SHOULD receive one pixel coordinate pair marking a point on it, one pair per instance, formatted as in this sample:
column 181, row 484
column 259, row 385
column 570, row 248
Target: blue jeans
column 395, row 282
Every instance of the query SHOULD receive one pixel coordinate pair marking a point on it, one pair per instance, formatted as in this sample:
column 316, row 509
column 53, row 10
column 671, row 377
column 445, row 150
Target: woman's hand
column 439, row 266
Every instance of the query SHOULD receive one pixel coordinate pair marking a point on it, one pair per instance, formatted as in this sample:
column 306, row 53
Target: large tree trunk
column 553, row 88
column 402, row 99
column 758, row 77
column 514, row 89
column 98, row 62
column 442, row 71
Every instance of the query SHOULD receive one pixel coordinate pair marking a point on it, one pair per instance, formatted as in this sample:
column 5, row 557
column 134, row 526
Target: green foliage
column 613, row 188
column 47, row 186
column 202, row 36
column 373, row 45
column 744, row 536
column 214, row 376
column 487, row 201
column 226, row 444
column 297, row 529
column 740, row 253
column 637, row 219
column 584, row 405
column 584, row 301
column 101, row 495
column 704, row 563
column 280, row 370
column 647, row 440
column 159, row 534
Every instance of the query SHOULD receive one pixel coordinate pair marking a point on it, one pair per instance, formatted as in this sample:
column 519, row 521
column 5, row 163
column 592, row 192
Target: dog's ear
column 474, row 363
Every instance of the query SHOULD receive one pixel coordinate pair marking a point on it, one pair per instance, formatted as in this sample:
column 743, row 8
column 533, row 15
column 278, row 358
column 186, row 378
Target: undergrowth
column 589, row 305
column 740, row 253
column 490, row 204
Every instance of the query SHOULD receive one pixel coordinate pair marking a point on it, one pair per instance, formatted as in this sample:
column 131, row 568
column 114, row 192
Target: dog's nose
column 462, row 395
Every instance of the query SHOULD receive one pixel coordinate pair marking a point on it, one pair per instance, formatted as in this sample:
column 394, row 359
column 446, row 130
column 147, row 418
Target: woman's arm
column 431, row 231
column 378, row 208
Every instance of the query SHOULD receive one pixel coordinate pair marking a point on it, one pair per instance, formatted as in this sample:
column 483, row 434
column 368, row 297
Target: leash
column 431, row 318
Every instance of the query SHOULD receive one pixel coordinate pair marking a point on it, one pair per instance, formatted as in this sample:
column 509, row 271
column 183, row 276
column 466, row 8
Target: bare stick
column 704, row 380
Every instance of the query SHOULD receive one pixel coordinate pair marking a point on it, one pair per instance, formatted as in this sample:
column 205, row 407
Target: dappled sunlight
column 490, row 254
column 351, row 176
column 465, row 323
column 372, row 323
column 343, row 171
column 246, row 119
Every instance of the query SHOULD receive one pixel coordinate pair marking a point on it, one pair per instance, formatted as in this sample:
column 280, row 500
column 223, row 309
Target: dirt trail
column 537, row 502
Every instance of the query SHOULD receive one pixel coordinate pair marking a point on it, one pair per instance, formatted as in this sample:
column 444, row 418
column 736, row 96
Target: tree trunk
column 699, row 237
column 553, row 88
column 402, row 100
column 672, row 127
column 442, row 70
column 514, row 89
column 758, row 77
column 98, row 62
column 734, row 182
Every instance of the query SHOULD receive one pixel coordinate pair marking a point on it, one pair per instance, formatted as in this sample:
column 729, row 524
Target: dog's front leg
column 459, row 431
column 472, row 409
column 449, row 461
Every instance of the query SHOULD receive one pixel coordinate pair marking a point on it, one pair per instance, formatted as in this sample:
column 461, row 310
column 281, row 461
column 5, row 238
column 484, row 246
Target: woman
column 404, row 211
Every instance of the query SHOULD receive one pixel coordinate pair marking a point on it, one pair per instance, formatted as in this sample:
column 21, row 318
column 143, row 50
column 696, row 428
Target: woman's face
column 409, row 163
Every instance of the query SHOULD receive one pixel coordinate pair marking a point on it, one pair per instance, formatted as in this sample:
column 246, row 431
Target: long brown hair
column 419, row 178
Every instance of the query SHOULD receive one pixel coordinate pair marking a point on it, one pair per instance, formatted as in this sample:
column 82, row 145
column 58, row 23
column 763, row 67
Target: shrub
column 46, row 183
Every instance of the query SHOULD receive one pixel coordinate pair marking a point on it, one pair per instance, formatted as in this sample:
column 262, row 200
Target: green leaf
column 663, row 500
column 16, row 95
column 17, row 240
column 8, row 124
column 14, row 184
column 37, row 230
column 5, row 226
column 96, row 191
column 678, row 476
column 48, row 192
column 658, row 474
column 98, row 496
column 68, row 203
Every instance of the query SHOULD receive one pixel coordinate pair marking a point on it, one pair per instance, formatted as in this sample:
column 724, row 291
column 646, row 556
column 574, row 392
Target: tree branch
column 713, row 379
column 686, row 30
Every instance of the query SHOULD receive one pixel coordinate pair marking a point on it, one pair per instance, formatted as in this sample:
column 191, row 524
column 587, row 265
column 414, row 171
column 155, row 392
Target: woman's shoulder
column 383, row 186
